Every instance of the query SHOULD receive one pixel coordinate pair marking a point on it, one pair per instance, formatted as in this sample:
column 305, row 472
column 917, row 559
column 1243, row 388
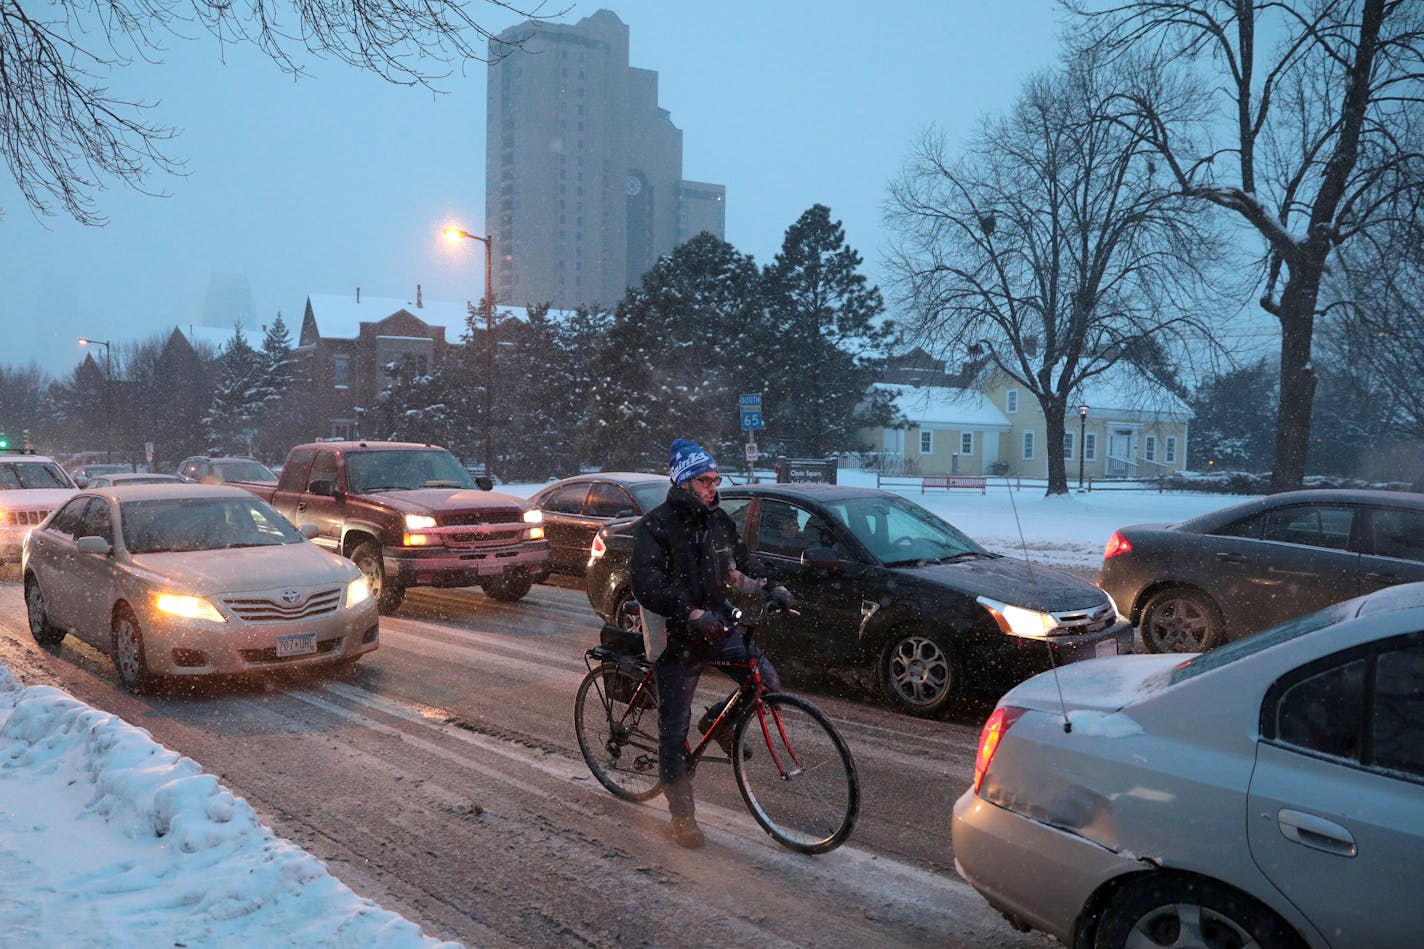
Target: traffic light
column 4, row 441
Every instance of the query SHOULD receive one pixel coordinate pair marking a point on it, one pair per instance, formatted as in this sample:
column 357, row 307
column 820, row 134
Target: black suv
column 884, row 585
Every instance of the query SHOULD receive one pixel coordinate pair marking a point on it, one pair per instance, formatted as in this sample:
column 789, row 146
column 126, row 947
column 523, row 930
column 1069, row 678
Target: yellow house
column 1116, row 426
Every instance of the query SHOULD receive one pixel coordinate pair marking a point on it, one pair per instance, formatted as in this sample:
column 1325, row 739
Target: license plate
column 1105, row 647
column 296, row 644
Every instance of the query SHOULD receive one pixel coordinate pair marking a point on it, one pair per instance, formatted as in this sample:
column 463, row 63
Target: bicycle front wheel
column 796, row 774
column 617, row 728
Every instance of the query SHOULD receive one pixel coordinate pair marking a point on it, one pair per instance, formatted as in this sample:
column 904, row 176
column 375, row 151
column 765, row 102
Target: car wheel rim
column 1180, row 626
column 919, row 670
column 34, row 601
column 373, row 576
column 128, row 650
column 1189, row 924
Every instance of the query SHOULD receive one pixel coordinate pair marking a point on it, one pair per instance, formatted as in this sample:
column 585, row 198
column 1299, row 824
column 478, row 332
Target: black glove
column 780, row 597
column 709, row 626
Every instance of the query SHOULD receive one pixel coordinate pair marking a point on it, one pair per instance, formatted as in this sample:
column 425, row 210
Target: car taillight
column 598, row 548
column 994, row 729
column 1117, row 544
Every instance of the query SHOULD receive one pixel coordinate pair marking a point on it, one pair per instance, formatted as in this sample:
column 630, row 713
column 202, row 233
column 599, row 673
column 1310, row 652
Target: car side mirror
column 484, row 483
column 821, row 558
column 81, row 482
column 326, row 489
column 309, row 531
column 624, row 512
column 93, row 544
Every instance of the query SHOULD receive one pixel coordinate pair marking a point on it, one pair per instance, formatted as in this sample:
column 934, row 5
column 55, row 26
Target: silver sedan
column 186, row 580
column 1267, row 793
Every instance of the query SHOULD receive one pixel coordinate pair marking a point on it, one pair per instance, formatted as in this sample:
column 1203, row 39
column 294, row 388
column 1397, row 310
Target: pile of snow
column 107, row 838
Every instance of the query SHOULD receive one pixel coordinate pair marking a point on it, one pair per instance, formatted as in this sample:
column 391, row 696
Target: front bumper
column 178, row 647
column 1006, row 660
column 1038, row 876
column 453, row 567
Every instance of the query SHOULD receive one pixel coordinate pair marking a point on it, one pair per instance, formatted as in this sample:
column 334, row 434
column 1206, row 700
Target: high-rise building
column 583, row 169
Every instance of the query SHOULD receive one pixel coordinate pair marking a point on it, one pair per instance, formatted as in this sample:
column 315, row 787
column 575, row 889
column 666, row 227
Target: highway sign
column 751, row 420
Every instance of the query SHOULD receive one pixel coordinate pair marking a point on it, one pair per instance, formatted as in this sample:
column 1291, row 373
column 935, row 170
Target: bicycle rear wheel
column 799, row 780
column 619, row 740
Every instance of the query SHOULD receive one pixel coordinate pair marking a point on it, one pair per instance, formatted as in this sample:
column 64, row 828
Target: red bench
column 950, row 482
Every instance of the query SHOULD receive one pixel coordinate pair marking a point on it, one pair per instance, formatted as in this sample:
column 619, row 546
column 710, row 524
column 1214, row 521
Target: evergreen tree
column 236, row 402
column 679, row 350
column 287, row 414
column 827, row 340
column 1233, row 424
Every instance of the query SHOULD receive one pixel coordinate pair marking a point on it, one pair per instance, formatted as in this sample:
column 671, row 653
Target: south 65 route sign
column 749, row 407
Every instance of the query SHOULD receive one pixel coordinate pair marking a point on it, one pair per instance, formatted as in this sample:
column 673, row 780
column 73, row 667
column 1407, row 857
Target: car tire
column 507, row 588
column 130, row 657
column 41, row 629
column 388, row 594
column 1180, row 620
column 1188, row 911
column 919, row 673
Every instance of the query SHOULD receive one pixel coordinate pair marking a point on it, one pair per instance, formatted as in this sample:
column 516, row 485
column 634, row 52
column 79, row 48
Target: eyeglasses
column 708, row 481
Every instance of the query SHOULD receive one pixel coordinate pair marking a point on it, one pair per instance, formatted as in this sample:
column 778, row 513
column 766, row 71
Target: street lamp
column 455, row 233
column 1082, row 441
column 108, row 394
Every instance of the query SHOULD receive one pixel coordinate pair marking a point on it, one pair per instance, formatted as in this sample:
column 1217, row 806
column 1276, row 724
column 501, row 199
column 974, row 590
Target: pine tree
column 286, row 413
column 1233, row 420
column 828, row 340
column 236, row 401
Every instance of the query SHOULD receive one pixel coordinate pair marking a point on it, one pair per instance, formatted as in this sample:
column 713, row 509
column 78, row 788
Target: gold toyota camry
column 183, row 580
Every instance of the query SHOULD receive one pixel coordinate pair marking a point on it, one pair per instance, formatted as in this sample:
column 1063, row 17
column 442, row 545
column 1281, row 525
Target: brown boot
column 685, row 833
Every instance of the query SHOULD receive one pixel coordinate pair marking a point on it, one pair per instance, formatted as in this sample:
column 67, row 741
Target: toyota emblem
column 291, row 597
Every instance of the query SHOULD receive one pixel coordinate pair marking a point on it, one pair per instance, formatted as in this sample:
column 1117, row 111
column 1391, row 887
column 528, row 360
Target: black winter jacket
column 683, row 551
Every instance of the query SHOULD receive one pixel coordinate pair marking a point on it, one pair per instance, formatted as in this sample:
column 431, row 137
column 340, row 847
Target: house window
column 966, row 443
column 1068, row 445
column 1011, row 400
column 1028, row 446
column 343, row 428
column 926, row 442
column 341, row 371
column 1171, row 457
column 1090, row 446
column 1149, row 449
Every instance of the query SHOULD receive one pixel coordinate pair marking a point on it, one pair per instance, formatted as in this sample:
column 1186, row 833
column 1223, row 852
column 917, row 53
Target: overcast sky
column 340, row 181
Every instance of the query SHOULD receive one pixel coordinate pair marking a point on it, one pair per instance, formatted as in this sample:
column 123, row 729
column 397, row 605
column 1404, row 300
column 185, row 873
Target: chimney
column 358, row 294
column 418, row 303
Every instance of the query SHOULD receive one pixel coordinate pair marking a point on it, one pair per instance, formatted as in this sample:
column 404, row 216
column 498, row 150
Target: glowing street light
column 108, row 394
column 456, row 233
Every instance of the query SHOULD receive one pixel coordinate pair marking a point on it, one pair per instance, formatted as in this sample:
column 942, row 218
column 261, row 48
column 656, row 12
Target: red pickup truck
column 411, row 515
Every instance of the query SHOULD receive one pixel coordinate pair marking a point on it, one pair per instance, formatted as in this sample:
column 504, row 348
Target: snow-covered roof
column 1120, row 391
column 946, row 406
column 340, row 315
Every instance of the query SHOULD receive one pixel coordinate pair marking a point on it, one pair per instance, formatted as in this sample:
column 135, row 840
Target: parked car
column 31, row 486
column 1201, row 582
column 188, row 580
column 885, row 586
column 131, row 477
column 575, row 508
column 84, row 473
column 1267, row 793
column 207, row 470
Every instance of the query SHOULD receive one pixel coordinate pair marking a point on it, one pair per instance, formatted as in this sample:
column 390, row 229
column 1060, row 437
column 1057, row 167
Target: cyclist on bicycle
column 687, row 557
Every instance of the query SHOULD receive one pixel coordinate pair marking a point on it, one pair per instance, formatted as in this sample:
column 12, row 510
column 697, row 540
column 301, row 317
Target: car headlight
column 419, row 522
column 534, row 516
column 357, row 591
column 1017, row 620
column 188, row 607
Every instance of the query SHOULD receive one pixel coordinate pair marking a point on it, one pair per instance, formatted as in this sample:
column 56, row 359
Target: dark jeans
column 677, row 672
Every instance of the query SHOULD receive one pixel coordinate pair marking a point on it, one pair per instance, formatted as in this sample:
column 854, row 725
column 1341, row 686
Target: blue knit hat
column 688, row 460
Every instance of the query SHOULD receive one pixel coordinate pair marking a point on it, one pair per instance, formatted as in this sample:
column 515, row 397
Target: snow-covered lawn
column 109, row 839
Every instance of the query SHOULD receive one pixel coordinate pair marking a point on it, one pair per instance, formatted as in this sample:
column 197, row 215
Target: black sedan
column 886, row 586
column 1222, row 575
column 576, row 508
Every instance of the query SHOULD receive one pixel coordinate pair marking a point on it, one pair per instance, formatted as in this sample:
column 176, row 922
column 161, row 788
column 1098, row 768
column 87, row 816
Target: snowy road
column 442, row 780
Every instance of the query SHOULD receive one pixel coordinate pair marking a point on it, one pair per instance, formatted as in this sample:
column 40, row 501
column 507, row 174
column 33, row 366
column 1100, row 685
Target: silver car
column 186, row 580
column 1267, row 793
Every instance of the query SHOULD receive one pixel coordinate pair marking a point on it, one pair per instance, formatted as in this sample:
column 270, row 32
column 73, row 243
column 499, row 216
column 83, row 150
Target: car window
column 897, row 531
column 566, row 499
column 69, row 516
column 95, row 521
column 324, row 469
column 787, row 530
column 243, row 471
column 295, row 470
column 33, row 474
column 1314, row 525
column 608, row 500
column 185, row 524
column 736, row 509
column 1396, row 533
column 649, row 494
column 1325, row 712
column 1397, row 715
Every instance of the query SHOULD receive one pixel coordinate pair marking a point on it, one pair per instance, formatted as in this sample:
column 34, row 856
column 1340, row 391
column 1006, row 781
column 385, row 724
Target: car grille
column 488, row 537
column 23, row 518
column 266, row 610
column 1077, row 622
column 269, row 654
column 497, row 516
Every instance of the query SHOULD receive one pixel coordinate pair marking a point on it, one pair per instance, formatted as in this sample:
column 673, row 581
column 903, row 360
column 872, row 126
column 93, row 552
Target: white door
column 1122, row 453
